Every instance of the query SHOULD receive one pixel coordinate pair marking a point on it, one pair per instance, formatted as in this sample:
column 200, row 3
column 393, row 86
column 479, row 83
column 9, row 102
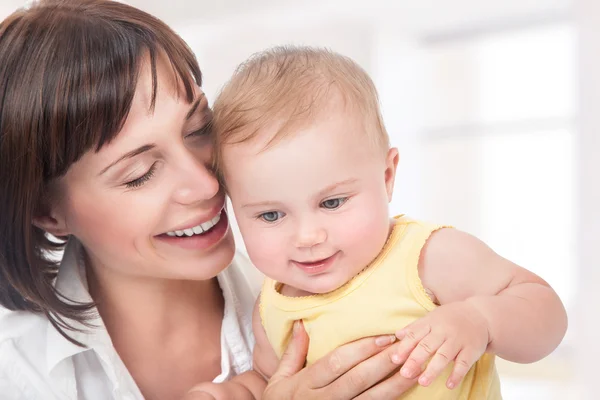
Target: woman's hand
column 205, row 393
column 362, row 369
column 247, row 386
column 219, row 391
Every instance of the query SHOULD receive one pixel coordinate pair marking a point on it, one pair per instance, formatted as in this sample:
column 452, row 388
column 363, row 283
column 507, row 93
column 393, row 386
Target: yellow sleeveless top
column 385, row 297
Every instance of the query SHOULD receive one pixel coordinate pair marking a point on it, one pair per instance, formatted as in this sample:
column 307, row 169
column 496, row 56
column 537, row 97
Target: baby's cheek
column 264, row 250
column 366, row 221
column 265, row 264
column 366, row 234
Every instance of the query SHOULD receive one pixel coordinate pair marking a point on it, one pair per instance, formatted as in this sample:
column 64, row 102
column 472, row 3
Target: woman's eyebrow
column 195, row 106
column 147, row 147
column 130, row 154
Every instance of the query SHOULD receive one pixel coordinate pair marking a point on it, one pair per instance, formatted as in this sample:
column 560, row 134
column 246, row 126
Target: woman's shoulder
column 22, row 335
column 22, row 349
column 22, row 327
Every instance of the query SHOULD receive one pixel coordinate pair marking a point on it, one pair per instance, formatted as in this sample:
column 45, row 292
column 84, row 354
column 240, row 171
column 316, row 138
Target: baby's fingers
column 445, row 354
column 409, row 338
column 426, row 348
column 462, row 365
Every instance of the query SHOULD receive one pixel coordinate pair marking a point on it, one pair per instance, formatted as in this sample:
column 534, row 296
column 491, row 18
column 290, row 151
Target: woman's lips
column 201, row 241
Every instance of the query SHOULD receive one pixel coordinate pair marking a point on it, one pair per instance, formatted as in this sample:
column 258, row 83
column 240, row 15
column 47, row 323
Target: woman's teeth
column 197, row 230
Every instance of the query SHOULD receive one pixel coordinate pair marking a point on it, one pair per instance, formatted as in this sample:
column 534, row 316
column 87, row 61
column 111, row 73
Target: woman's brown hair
column 68, row 73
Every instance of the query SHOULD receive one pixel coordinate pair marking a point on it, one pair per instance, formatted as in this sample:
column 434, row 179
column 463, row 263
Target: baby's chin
column 298, row 289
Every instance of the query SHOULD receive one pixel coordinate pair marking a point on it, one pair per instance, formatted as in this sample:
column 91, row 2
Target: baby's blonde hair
column 284, row 88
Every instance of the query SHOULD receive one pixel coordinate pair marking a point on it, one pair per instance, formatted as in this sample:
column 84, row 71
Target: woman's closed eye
column 138, row 182
column 333, row 204
column 271, row 216
column 202, row 132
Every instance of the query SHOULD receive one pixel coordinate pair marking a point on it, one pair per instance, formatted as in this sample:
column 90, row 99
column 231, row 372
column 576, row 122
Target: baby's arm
column 526, row 318
column 487, row 304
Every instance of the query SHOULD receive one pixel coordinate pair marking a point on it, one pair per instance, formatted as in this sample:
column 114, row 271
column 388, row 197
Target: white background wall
column 493, row 107
column 586, row 321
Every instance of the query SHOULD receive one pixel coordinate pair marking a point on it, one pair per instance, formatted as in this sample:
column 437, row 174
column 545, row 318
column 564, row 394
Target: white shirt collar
column 71, row 282
column 240, row 284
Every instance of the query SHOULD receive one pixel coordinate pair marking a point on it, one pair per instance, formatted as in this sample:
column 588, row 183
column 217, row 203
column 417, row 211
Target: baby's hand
column 452, row 332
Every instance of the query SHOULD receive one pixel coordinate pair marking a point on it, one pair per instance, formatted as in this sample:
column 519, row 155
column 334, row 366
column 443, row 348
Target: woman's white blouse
column 36, row 362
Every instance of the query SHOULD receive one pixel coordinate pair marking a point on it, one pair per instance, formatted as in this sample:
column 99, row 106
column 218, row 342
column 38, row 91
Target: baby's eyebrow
column 321, row 193
column 261, row 204
column 335, row 185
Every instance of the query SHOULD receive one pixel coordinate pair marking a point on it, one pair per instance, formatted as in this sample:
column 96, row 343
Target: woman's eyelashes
column 204, row 131
column 138, row 182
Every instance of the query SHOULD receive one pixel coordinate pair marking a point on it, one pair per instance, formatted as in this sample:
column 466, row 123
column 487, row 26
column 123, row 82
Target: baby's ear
column 391, row 163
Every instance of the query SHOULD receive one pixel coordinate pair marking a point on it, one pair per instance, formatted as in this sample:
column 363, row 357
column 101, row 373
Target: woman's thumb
column 294, row 357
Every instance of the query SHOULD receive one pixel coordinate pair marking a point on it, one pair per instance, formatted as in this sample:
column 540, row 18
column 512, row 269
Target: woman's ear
column 49, row 217
column 391, row 163
column 52, row 225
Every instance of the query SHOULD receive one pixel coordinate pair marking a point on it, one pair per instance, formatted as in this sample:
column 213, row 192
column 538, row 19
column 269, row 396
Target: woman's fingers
column 198, row 395
column 390, row 389
column 361, row 367
column 344, row 358
column 370, row 373
column 294, row 357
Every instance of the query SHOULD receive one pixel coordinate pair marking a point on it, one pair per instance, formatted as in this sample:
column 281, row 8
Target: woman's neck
column 155, row 306
column 159, row 325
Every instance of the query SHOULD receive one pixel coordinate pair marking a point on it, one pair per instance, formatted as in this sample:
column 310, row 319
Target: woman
column 104, row 152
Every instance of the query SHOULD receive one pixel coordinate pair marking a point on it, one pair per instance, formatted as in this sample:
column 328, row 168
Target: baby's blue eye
column 332, row 204
column 271, row 216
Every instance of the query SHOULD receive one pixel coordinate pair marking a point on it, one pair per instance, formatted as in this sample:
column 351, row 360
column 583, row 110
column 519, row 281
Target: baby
column 305, row 157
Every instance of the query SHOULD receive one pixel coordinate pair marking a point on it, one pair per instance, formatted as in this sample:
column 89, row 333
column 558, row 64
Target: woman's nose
column 196, row 181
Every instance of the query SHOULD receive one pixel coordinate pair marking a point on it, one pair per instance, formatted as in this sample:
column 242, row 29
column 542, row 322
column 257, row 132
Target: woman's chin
column 209, row 265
